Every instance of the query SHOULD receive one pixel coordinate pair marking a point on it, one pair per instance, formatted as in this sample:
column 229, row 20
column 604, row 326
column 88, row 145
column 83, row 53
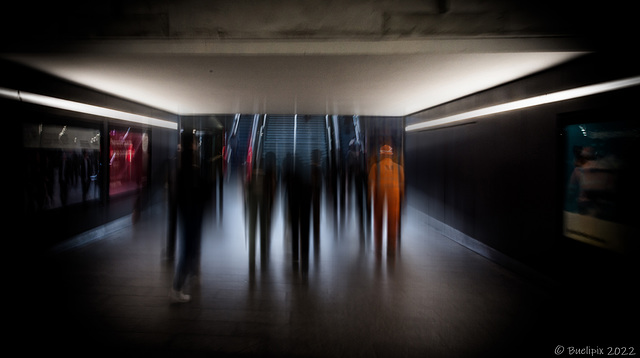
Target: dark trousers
column 258, row 215
column 299, row 216
column 188, row 260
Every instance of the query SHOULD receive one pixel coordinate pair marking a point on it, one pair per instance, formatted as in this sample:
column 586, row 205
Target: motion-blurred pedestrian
column 192, row 194
column 386, row 183
column 297, row 180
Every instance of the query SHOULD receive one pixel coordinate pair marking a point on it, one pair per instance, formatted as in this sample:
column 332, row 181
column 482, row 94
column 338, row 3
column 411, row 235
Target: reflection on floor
column 436, row 299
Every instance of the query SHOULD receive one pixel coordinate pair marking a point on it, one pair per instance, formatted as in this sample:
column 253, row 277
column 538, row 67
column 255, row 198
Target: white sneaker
column 179, row 296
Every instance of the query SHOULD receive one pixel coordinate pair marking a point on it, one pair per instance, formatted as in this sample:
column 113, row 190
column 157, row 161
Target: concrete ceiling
column 394, row 66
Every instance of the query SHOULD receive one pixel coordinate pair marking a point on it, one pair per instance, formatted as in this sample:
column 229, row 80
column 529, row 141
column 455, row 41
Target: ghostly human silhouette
column 386, row 183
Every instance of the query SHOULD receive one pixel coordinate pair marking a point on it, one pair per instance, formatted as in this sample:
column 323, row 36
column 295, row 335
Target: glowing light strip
column 85, row 108
column 529, row 102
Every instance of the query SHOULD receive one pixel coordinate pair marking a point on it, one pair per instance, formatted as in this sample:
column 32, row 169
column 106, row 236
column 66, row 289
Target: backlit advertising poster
column 128, row 157
column 602, row 185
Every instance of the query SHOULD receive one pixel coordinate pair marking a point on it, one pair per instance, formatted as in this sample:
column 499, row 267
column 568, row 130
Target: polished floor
column 435, row 299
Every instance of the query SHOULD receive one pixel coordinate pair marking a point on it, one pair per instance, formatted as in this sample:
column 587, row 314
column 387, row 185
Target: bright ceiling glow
column 85, row 108
column 370, row 82
column 528, row 102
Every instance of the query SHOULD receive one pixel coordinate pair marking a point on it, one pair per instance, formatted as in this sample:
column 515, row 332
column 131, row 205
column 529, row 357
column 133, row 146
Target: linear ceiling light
column 85, row 108
column 528, row 102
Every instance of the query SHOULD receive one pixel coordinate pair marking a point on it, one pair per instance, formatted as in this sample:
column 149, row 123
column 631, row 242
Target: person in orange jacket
column 386, row 187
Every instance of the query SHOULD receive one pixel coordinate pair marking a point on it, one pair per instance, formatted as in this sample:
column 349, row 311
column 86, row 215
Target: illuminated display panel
column 601, row 182
column 128, row 158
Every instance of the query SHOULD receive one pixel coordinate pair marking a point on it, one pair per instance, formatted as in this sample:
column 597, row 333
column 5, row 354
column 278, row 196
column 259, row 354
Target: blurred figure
column 331, row 186
column 260, row 188
column 297, row 181
column 172, row 203
column 584, row 157
column 593, row 183
column 286, row 178
column 317, row 182
column 356, row 183
column 191, row 195
column 386, row 183
column 266, row 212
column 218, row 164
column 138, row 164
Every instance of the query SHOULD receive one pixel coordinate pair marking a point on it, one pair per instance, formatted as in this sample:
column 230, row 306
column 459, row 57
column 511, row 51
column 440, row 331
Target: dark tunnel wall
column 44, row 228
column 496, row 179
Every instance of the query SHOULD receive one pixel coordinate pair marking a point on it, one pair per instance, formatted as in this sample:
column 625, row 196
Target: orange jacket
column 386, row 178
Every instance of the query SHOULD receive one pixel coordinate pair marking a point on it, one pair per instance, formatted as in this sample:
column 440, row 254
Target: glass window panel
column 62, row 165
